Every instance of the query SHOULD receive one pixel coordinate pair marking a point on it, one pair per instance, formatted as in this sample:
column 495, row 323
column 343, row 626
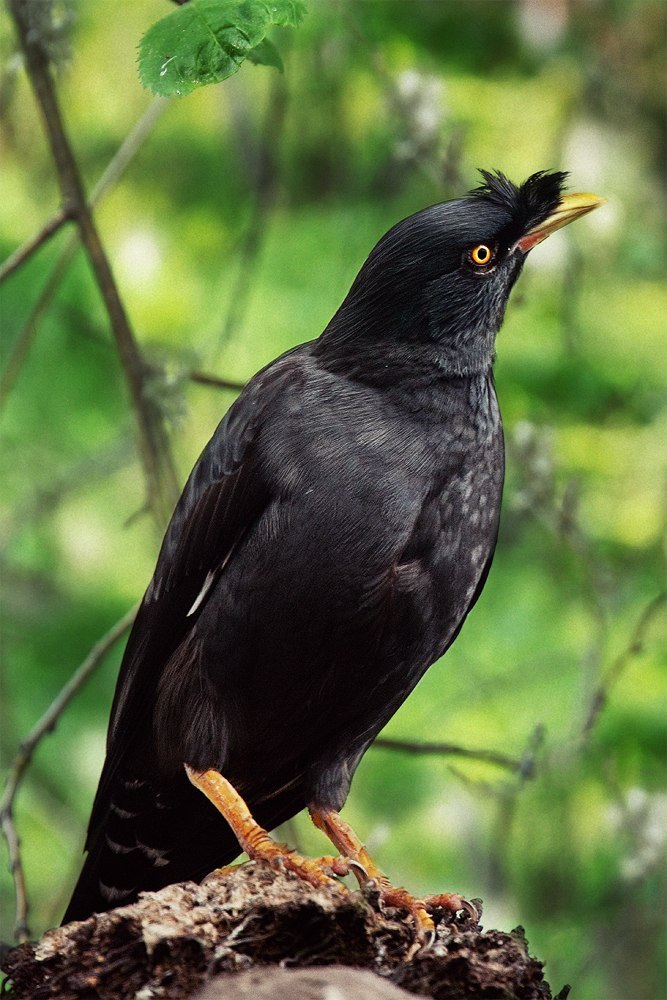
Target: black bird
column 329, row 543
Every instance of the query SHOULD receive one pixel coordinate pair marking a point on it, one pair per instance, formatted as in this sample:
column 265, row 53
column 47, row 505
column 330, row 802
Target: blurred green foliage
column 234, row 234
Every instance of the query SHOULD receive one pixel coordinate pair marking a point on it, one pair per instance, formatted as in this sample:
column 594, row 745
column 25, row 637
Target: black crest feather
column 527, row 203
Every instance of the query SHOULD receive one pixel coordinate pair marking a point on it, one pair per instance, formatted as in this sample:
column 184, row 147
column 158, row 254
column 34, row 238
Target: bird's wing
column 224, row 496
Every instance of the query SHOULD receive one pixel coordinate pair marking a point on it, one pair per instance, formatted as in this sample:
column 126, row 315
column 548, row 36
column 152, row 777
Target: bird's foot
column 379, row 888
column 370, row 876
column 452, row 903
column 420, row 910
column 258, row 844
column 317, row 872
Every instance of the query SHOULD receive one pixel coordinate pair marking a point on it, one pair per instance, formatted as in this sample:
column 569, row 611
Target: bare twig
column 203, row 378
column 49, row 229
column 21, row 929
column 506, row 795
column 533, row 747
column 25, row 753
column 160, row 476
column 559, row 515
column 115, row 169
column 451, row 750
column 524, row 768
column 266, row 190
column 129, row 148
column 616, row 668
column 26, row 336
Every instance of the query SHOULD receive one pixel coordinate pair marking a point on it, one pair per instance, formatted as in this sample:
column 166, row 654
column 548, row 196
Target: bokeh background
column 234, row 233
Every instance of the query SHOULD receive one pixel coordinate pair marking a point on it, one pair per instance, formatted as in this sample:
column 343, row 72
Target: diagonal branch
column 153, row 443
column 203, row 378
column 451, row 750
column 25, row 339
column 616, row 668
column 49, row 229
column 114, row 170
column 266, row 190
column 25, row 754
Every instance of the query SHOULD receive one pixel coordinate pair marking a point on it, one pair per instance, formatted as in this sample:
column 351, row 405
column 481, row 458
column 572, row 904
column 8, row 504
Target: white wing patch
column 210, row 577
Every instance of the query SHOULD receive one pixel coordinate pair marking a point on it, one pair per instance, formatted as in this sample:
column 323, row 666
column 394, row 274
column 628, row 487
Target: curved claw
column 471, row 910
column 454, row 904
column 423, row 942
column 431, row 936
column 359, row 870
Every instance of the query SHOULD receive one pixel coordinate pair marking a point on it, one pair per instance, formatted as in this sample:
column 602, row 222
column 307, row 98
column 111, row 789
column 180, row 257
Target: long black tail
column 151, row 836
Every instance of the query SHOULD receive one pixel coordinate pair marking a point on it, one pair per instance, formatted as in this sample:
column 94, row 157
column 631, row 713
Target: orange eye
column 481, row 254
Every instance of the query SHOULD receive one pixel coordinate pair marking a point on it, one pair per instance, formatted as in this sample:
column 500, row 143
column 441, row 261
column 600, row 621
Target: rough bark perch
column 240, row 934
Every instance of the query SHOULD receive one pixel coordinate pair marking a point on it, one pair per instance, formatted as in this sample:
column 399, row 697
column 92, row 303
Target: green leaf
column 266, row 54
column 205, row 41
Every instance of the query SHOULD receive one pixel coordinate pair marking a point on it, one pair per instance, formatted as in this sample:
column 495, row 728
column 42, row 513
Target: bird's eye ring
column 481, row 254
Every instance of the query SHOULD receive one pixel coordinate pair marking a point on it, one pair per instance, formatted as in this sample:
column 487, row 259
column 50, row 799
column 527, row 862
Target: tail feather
column 151, row 837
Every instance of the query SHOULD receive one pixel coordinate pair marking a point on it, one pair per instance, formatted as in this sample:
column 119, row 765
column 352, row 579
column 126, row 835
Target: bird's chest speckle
column 455, row 533
column 404, row 497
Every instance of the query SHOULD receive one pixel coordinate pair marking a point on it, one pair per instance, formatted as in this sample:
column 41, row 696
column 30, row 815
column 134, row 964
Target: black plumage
column 329, row 543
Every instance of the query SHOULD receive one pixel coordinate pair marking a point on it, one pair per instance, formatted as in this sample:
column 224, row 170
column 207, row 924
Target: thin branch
column 507, row 797
column 451, row 750
column 267, row 177
column 203, row 378
column 25, row 753
column 129, row 148
column 21, row 929
column 113, row 172
column 26, row 336
column 533, row 747
column 153, row 443
column 24, row 253
column 612, row 675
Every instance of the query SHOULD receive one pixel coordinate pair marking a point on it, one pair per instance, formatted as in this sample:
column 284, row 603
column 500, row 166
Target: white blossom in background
column 454, row 811
column 542, row 23
column 83, row 539
column 138, row 257
column 600, row 160
column 640, row 816
column 421, row 97
column 589, row 154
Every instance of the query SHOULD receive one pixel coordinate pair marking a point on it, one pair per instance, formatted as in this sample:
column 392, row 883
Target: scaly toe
column 400, row 899
column 453, row 903
column 318, row 872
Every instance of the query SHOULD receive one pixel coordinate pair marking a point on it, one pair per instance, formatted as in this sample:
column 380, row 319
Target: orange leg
column 255, row 840
column 346, row 841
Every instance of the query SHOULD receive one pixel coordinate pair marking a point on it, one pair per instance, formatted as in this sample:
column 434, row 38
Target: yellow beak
column 569, row 208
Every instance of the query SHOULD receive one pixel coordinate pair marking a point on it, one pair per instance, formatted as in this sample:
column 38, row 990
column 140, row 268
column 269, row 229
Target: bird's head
column 444, row 275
